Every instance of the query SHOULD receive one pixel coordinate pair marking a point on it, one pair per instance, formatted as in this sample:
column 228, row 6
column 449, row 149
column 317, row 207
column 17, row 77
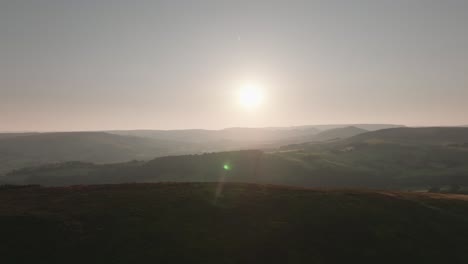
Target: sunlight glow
column 250, row 96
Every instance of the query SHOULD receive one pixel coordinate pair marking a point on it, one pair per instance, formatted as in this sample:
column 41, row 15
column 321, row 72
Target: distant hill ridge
column 246, row 134
column 420, row 135
column 19, row 150
column 339, row 133
column 98, row 147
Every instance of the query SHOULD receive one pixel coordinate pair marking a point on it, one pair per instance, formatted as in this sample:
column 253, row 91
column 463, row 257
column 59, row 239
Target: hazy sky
column 90, row 65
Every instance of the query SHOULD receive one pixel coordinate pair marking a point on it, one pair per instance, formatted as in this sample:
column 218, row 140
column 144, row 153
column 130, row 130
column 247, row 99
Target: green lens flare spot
column 227, row 167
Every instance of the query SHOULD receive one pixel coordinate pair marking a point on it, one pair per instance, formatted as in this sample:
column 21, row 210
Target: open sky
column 119, row 64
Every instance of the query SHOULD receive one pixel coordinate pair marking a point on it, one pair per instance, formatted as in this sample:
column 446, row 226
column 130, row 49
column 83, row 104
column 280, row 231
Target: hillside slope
column 408, row 157
column 245, row 166
column 99, row 147
column 13, row 135
column 294, row 134
column 339, row 133
column 229, row 136
column 372, row 160
column 366, row 166
column 421, row 135
column 327, row 135
column 19, row 150
column 190, row 223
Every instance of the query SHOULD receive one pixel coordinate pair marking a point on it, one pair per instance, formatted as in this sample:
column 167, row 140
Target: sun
column 250, row 96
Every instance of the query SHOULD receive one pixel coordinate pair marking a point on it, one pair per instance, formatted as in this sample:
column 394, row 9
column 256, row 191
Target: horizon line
column 225, row 128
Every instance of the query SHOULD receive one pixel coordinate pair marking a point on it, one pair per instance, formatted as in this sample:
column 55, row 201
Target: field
column 233, row 223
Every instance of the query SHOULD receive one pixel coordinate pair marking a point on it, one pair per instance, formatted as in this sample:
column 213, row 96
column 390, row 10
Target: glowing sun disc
column 250, row 96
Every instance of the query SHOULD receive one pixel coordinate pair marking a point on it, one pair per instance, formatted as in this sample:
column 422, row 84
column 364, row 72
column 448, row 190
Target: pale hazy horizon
column 223, row 128
column 123, row 65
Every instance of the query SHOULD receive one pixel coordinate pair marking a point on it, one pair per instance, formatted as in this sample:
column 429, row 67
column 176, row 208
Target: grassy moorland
column 190, row 223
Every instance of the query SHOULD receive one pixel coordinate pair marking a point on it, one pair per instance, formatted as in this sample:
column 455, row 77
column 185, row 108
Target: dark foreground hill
column 239, row 223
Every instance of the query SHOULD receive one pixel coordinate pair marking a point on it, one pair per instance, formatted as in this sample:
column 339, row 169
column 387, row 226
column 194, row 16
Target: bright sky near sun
column 251, row 95
column 115, row 64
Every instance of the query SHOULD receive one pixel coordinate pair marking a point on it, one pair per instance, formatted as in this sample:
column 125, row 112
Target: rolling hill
column 427, row 158
column 412, row 157
column 233, row 223
column 338, row 133
column 421, row 135
column 327, row 135
column 368, row 127
column 245, row 166
column 13, row 135
column 237, row 135
column 18, row 150
column 275, row 135
column 99, row 147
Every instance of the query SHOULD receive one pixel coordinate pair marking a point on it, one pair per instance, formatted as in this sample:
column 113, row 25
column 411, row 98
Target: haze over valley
column 233, row 131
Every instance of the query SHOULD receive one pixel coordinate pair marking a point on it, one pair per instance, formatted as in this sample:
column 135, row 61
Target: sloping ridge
column 237, row 134
column 339, row 133
column 420, row 135
column 36, row 149
column 78, row 144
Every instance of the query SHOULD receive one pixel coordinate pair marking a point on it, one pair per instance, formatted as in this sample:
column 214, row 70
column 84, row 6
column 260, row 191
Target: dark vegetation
column 185, row 223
